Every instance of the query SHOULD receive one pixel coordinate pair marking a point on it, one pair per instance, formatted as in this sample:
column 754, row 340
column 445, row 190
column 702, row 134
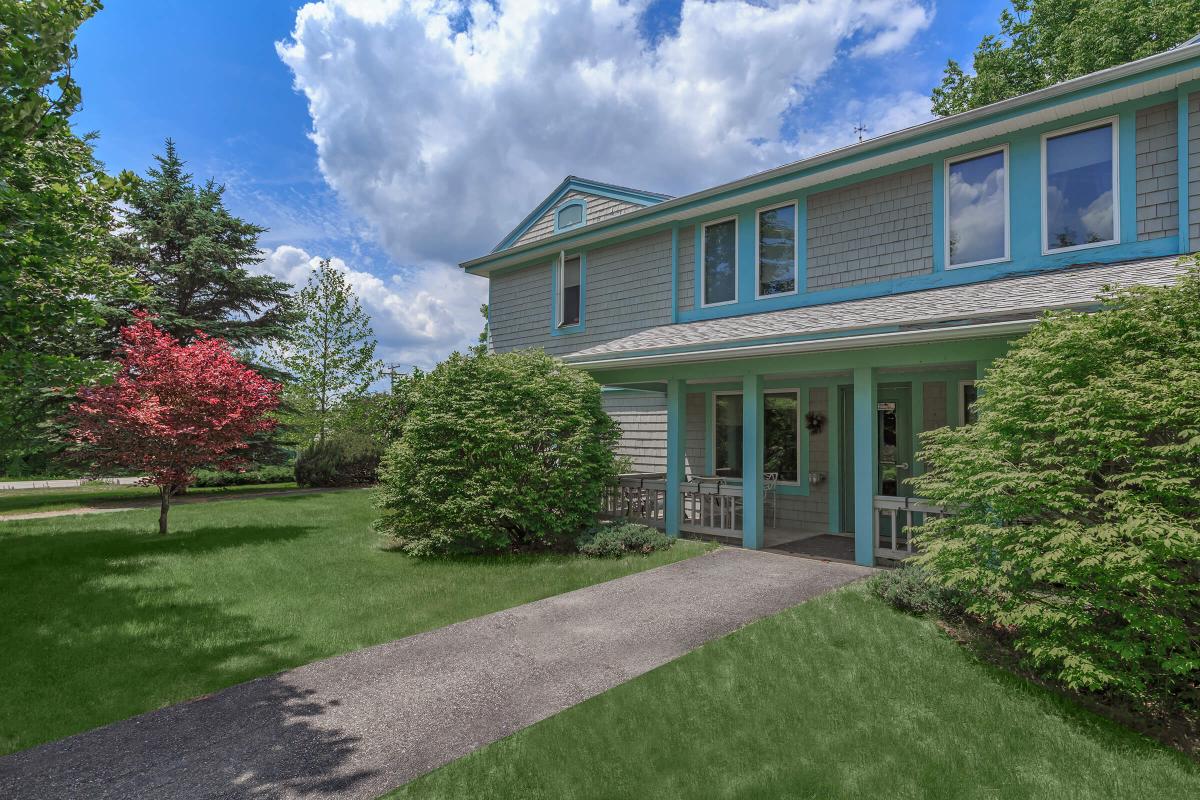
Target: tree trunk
column 164, row 496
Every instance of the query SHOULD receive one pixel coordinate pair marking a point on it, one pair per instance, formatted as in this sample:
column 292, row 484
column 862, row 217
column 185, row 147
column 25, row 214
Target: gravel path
column 357, row 725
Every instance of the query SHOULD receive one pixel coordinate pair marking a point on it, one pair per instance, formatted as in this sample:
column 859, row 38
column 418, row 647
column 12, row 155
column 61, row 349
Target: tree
column 1043, row 42
column 193, row 254
column 56, row 218
column 330, row 353
column 1076, row 495
column 497, row 452
column 172, row 409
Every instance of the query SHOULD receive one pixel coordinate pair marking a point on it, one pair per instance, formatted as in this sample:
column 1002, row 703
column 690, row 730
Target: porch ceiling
column 991, row 307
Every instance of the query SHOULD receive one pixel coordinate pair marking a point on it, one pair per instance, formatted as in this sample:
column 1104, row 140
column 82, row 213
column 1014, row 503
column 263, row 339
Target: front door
column 893, row 412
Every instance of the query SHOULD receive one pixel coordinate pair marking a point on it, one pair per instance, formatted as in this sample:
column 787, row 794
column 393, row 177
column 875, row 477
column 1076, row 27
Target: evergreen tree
column 330, row 355
column 1043, row 42
column 194, row 254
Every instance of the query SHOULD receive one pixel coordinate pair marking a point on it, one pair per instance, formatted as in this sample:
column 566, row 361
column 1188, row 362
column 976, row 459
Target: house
column 772, row 346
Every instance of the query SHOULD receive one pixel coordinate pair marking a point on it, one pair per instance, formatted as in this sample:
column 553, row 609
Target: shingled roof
column 1012, row 298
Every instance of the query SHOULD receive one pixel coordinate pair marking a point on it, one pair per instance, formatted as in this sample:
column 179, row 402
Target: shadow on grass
column 90, row 636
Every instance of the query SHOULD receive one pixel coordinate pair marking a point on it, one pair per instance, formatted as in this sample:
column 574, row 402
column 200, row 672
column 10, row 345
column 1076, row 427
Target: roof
column 1157, row 73
column 573, row 182
column 977, row 307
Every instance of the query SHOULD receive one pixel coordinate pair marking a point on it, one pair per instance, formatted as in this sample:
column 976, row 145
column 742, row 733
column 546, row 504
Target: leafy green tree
column 1043, row 42
column 329, row 354
column 1076, row 495
column 497, row 452
column 181, row 241
column 55, row 217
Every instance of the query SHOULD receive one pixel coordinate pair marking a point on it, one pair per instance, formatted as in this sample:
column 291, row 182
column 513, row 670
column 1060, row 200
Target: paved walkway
column 358, row 725
column 187, row 499
column 64, row 483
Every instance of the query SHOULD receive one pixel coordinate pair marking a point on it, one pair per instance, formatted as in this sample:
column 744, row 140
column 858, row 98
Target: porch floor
column 788, row 541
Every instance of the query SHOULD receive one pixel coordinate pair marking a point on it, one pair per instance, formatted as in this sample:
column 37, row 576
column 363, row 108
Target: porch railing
column 710, row 506
column 894, row 516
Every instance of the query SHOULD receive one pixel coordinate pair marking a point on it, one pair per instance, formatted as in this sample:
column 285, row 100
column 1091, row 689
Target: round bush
column 342, row 459
column 497, row 452
column 619, row 539
column 1077, row 495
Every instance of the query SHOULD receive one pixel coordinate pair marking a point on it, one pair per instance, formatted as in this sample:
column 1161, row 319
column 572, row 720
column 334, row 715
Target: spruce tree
column 181, row 241
column 330, row 355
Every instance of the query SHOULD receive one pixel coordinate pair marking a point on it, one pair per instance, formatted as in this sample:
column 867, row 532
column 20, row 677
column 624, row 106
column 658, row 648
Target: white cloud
column 418, row 318
column 443, row 137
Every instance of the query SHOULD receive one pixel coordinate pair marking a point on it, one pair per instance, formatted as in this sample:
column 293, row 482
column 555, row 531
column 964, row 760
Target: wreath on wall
column 814, row 421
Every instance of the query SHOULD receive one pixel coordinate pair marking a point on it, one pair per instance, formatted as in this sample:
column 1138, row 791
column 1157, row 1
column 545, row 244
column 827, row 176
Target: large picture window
column 977, row 209
column 1079, row 177
column 719, row 262
column 776, row 252
column 781, row 434
column 570, row 284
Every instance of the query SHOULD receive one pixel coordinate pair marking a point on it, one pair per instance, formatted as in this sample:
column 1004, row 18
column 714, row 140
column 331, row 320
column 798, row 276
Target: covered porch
column 807, row 453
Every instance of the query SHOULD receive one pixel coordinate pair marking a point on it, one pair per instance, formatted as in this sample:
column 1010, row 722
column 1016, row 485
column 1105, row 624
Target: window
column 977, row 209
column 966, row 403
column 570, row 280
column 781, row 434
column 776, row 265
column 719, row 263
column 1079, row 182
column 570, row 215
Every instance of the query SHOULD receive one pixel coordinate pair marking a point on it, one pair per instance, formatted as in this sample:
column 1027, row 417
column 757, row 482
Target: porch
column 805, row 454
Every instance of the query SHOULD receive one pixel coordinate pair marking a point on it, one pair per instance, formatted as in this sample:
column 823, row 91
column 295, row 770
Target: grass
column 104, row 619
column 24, row 501
column 842, row 697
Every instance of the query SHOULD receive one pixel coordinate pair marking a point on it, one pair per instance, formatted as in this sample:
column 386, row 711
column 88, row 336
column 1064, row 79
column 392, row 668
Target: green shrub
column 342, row 459
column 909, row 589
column 1077, row 495
column 618, row 539
column 497, row 452
column 258, row 474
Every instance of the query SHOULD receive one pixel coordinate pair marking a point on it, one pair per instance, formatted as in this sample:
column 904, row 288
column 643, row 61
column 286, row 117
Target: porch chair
column 770, row 482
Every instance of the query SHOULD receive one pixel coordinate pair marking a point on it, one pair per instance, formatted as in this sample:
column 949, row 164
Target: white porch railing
column 893, row 518
column 709, row 505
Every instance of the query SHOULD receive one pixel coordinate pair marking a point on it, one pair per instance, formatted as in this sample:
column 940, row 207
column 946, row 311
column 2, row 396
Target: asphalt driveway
column 357, row 725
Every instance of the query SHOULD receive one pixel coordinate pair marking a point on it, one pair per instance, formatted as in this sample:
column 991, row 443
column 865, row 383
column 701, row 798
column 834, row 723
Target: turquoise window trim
column 1184, row 190
column 938, row 223
column 575, row 201
column 739, row 239
column 555, row 270
column 804, row 403
column 758, row 212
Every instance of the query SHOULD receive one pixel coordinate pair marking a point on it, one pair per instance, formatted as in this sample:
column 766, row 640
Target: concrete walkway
column 358, row 725
column 64, row 483
column 187, row 499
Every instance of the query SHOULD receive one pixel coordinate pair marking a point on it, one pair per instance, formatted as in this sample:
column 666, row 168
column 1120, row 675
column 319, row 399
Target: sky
column 401, row 137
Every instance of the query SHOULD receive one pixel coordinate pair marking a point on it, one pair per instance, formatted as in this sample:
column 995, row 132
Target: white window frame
column 1007, row 208
column 962, row 406
column 799, row 392
column 560, row 286
column 736, row 265
column 758, row 249
column 1115, row 123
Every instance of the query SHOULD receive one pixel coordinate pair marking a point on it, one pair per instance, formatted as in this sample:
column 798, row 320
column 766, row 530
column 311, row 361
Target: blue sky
column 438, row 125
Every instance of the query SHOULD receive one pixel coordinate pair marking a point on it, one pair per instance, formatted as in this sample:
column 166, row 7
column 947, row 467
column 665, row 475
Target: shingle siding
column 598, row 209
column 627, row 288
column 1194, row 167
column 696, row 436
column 1157, row 172
column 642, row 417
column 809, row 513
column 871, row 231
column 686, row 297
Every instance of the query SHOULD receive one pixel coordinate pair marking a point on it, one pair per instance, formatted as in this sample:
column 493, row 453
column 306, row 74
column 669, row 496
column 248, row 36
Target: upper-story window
column 776, row 250
column 977, row 208
column 1079, row 181
column 570, row 215
column 718, row 262
column 570, row 285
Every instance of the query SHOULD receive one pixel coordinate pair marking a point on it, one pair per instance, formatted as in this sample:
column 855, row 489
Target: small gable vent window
column 570, row 215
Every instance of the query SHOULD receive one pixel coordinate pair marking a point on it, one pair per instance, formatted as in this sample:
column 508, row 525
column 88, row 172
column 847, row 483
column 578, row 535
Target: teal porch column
column 676, row 444
column 864, row 466
column 752, row 462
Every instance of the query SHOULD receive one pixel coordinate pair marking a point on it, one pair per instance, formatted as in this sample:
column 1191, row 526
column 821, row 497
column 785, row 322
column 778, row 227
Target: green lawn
column 104, row 619
column 25, row 501
column 839, row 698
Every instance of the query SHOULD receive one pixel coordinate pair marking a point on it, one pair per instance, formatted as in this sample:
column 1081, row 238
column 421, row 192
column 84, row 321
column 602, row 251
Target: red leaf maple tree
column 171, row 410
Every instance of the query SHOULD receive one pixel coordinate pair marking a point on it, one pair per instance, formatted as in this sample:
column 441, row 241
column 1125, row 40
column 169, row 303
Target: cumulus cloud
column 443, row 122
column 418, row 316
